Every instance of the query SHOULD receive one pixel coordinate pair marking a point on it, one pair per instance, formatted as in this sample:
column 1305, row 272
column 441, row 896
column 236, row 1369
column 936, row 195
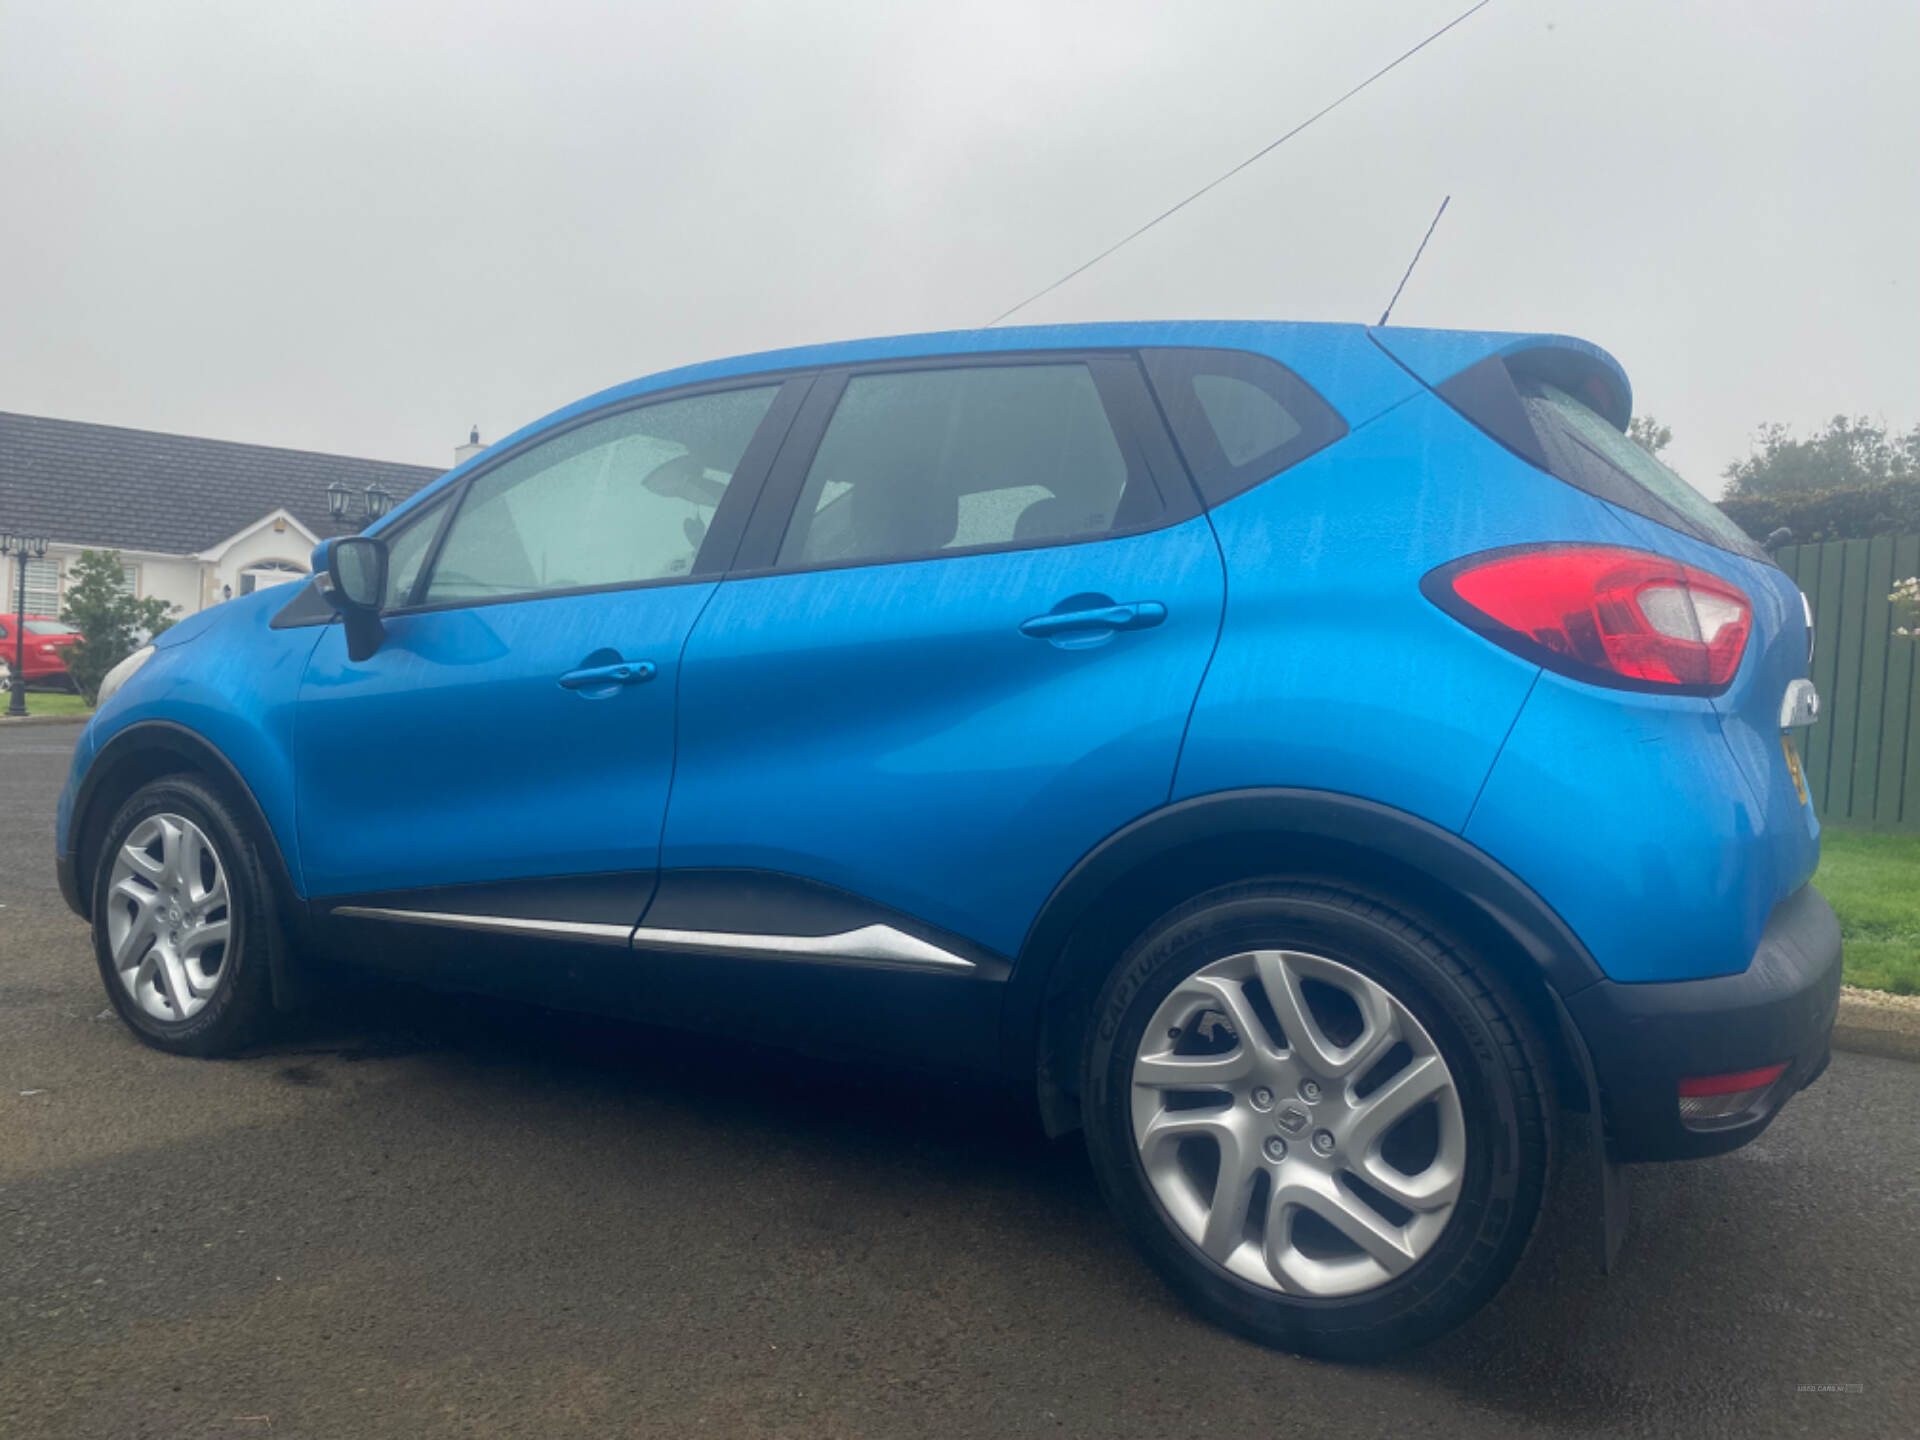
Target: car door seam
column 1219, row 631
column 673, row 763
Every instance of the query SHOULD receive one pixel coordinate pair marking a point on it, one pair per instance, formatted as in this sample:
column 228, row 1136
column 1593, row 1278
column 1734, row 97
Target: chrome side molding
column 496, row 924
column 875, row 945
column 878, row 946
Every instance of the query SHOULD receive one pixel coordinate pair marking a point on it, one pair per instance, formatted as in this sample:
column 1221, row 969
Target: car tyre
column 182, row 918
column 1288, row 1282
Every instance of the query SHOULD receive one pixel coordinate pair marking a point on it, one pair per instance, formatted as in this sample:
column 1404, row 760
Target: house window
column 43, row 586
column 130, row 579
column 269, row 572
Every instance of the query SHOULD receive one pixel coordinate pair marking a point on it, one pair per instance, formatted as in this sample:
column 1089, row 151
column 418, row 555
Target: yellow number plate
column 1793, row 767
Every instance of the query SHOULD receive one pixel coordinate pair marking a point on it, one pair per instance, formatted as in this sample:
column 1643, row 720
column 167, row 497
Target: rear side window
column 925, row 462
column 1585, row 450
column 1239, row 418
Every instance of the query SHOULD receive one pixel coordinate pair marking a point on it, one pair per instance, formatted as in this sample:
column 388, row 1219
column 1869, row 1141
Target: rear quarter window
column 1238, row 418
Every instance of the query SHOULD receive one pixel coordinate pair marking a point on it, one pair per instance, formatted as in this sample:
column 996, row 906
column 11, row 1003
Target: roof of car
column 1358, row 369
column 1432, row 354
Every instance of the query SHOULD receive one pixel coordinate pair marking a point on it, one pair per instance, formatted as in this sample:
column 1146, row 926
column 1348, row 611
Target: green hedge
column 1815, row 515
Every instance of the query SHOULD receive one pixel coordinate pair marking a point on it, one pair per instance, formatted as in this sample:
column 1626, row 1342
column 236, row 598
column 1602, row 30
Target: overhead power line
column 1259, row 154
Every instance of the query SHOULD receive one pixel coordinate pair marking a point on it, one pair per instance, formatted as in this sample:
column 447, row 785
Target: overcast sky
column 362, row 227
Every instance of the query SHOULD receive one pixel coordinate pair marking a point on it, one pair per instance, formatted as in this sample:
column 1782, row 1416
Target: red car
column 43, row 664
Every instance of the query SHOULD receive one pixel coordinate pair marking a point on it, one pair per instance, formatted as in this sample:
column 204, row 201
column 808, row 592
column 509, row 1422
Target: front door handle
column 627, row 672
column 1138, row 616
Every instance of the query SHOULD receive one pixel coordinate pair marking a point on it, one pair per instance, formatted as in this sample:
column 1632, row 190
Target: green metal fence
column 1863, row 758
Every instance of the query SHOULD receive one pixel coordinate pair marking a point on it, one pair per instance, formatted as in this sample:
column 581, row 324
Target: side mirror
column 353, row 576
column 357, row 566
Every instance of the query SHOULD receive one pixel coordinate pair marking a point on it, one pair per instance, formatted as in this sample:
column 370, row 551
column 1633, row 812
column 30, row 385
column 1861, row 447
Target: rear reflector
column 1605, row 614
column 1715, row 1097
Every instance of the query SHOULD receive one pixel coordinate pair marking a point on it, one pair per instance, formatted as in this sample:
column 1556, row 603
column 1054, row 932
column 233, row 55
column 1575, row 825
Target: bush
column 112, row 623
column 1855, row 513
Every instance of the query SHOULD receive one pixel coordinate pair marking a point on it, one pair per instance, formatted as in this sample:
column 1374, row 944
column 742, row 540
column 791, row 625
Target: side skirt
column 753, row 954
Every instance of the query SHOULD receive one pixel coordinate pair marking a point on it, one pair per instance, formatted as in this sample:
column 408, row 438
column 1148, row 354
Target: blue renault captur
column 1318, row 761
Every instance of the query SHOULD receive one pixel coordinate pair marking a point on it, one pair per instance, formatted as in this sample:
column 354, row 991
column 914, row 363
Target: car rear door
column 504, row 756
column 969, row 620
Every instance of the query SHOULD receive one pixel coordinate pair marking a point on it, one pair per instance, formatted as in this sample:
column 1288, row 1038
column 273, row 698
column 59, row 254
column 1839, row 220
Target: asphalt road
column 417, row 1219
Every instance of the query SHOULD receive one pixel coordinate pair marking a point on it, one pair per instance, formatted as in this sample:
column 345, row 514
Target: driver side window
column 407, row 547
column 615, row 501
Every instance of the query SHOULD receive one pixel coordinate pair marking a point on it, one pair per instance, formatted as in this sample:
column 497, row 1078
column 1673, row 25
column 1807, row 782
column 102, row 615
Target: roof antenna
column 1415, row 261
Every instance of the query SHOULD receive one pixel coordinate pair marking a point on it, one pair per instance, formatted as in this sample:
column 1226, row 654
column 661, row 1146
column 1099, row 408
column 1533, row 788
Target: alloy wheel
column 169, row 917
column 1297, row 1123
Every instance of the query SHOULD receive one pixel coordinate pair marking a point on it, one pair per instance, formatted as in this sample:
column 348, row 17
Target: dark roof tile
column 140, row 490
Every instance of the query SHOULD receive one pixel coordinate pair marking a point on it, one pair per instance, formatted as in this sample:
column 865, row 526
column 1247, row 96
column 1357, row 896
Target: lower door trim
column 880, row 945
column 494, row 924
column 876, row 945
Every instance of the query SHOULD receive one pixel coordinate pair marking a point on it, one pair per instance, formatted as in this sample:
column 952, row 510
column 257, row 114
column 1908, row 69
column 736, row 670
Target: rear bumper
column 1644, row 1038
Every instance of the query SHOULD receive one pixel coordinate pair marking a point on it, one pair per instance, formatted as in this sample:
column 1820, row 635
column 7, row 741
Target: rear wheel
column 1324, row 1125
column 180, row 924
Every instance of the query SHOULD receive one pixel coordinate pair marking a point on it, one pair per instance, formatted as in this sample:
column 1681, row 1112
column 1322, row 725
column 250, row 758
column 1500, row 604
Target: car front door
column 504, row 755
column 969, row 621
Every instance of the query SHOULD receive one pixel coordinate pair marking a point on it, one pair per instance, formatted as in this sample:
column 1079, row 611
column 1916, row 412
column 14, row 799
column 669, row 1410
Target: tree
column 1890, row 508
column 1649, row 434
column 1849, row 454
column 111, row 622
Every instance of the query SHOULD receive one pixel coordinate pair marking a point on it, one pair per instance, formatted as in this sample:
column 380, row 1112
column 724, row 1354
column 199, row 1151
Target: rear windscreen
column 1586, row 451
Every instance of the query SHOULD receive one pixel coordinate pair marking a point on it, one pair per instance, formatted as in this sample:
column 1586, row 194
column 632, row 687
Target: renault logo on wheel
column 1292, row 1118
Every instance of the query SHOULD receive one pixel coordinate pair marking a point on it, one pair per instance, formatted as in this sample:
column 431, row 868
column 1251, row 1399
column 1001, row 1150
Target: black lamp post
column 22, row 548
column 374, row 500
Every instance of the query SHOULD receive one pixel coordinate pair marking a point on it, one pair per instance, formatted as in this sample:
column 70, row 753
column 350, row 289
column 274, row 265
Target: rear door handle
column 1138, row 616
column 627, row 672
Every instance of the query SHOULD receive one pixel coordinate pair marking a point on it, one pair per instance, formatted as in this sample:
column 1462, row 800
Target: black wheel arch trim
column 1300, row 817
column 1348, row 819
column 200, row 753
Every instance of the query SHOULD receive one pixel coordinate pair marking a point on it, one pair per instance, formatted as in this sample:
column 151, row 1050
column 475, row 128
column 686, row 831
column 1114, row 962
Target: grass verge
column 1873, row 883
column 49, row 702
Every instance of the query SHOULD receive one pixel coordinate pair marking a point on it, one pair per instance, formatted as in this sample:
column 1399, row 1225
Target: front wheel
column 1323, row 1125
column 180, row 921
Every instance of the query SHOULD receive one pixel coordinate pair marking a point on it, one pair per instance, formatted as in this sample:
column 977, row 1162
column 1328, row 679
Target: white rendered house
column 195, row 521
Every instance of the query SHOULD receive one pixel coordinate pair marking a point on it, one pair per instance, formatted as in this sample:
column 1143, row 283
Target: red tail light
column 1602, row 613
